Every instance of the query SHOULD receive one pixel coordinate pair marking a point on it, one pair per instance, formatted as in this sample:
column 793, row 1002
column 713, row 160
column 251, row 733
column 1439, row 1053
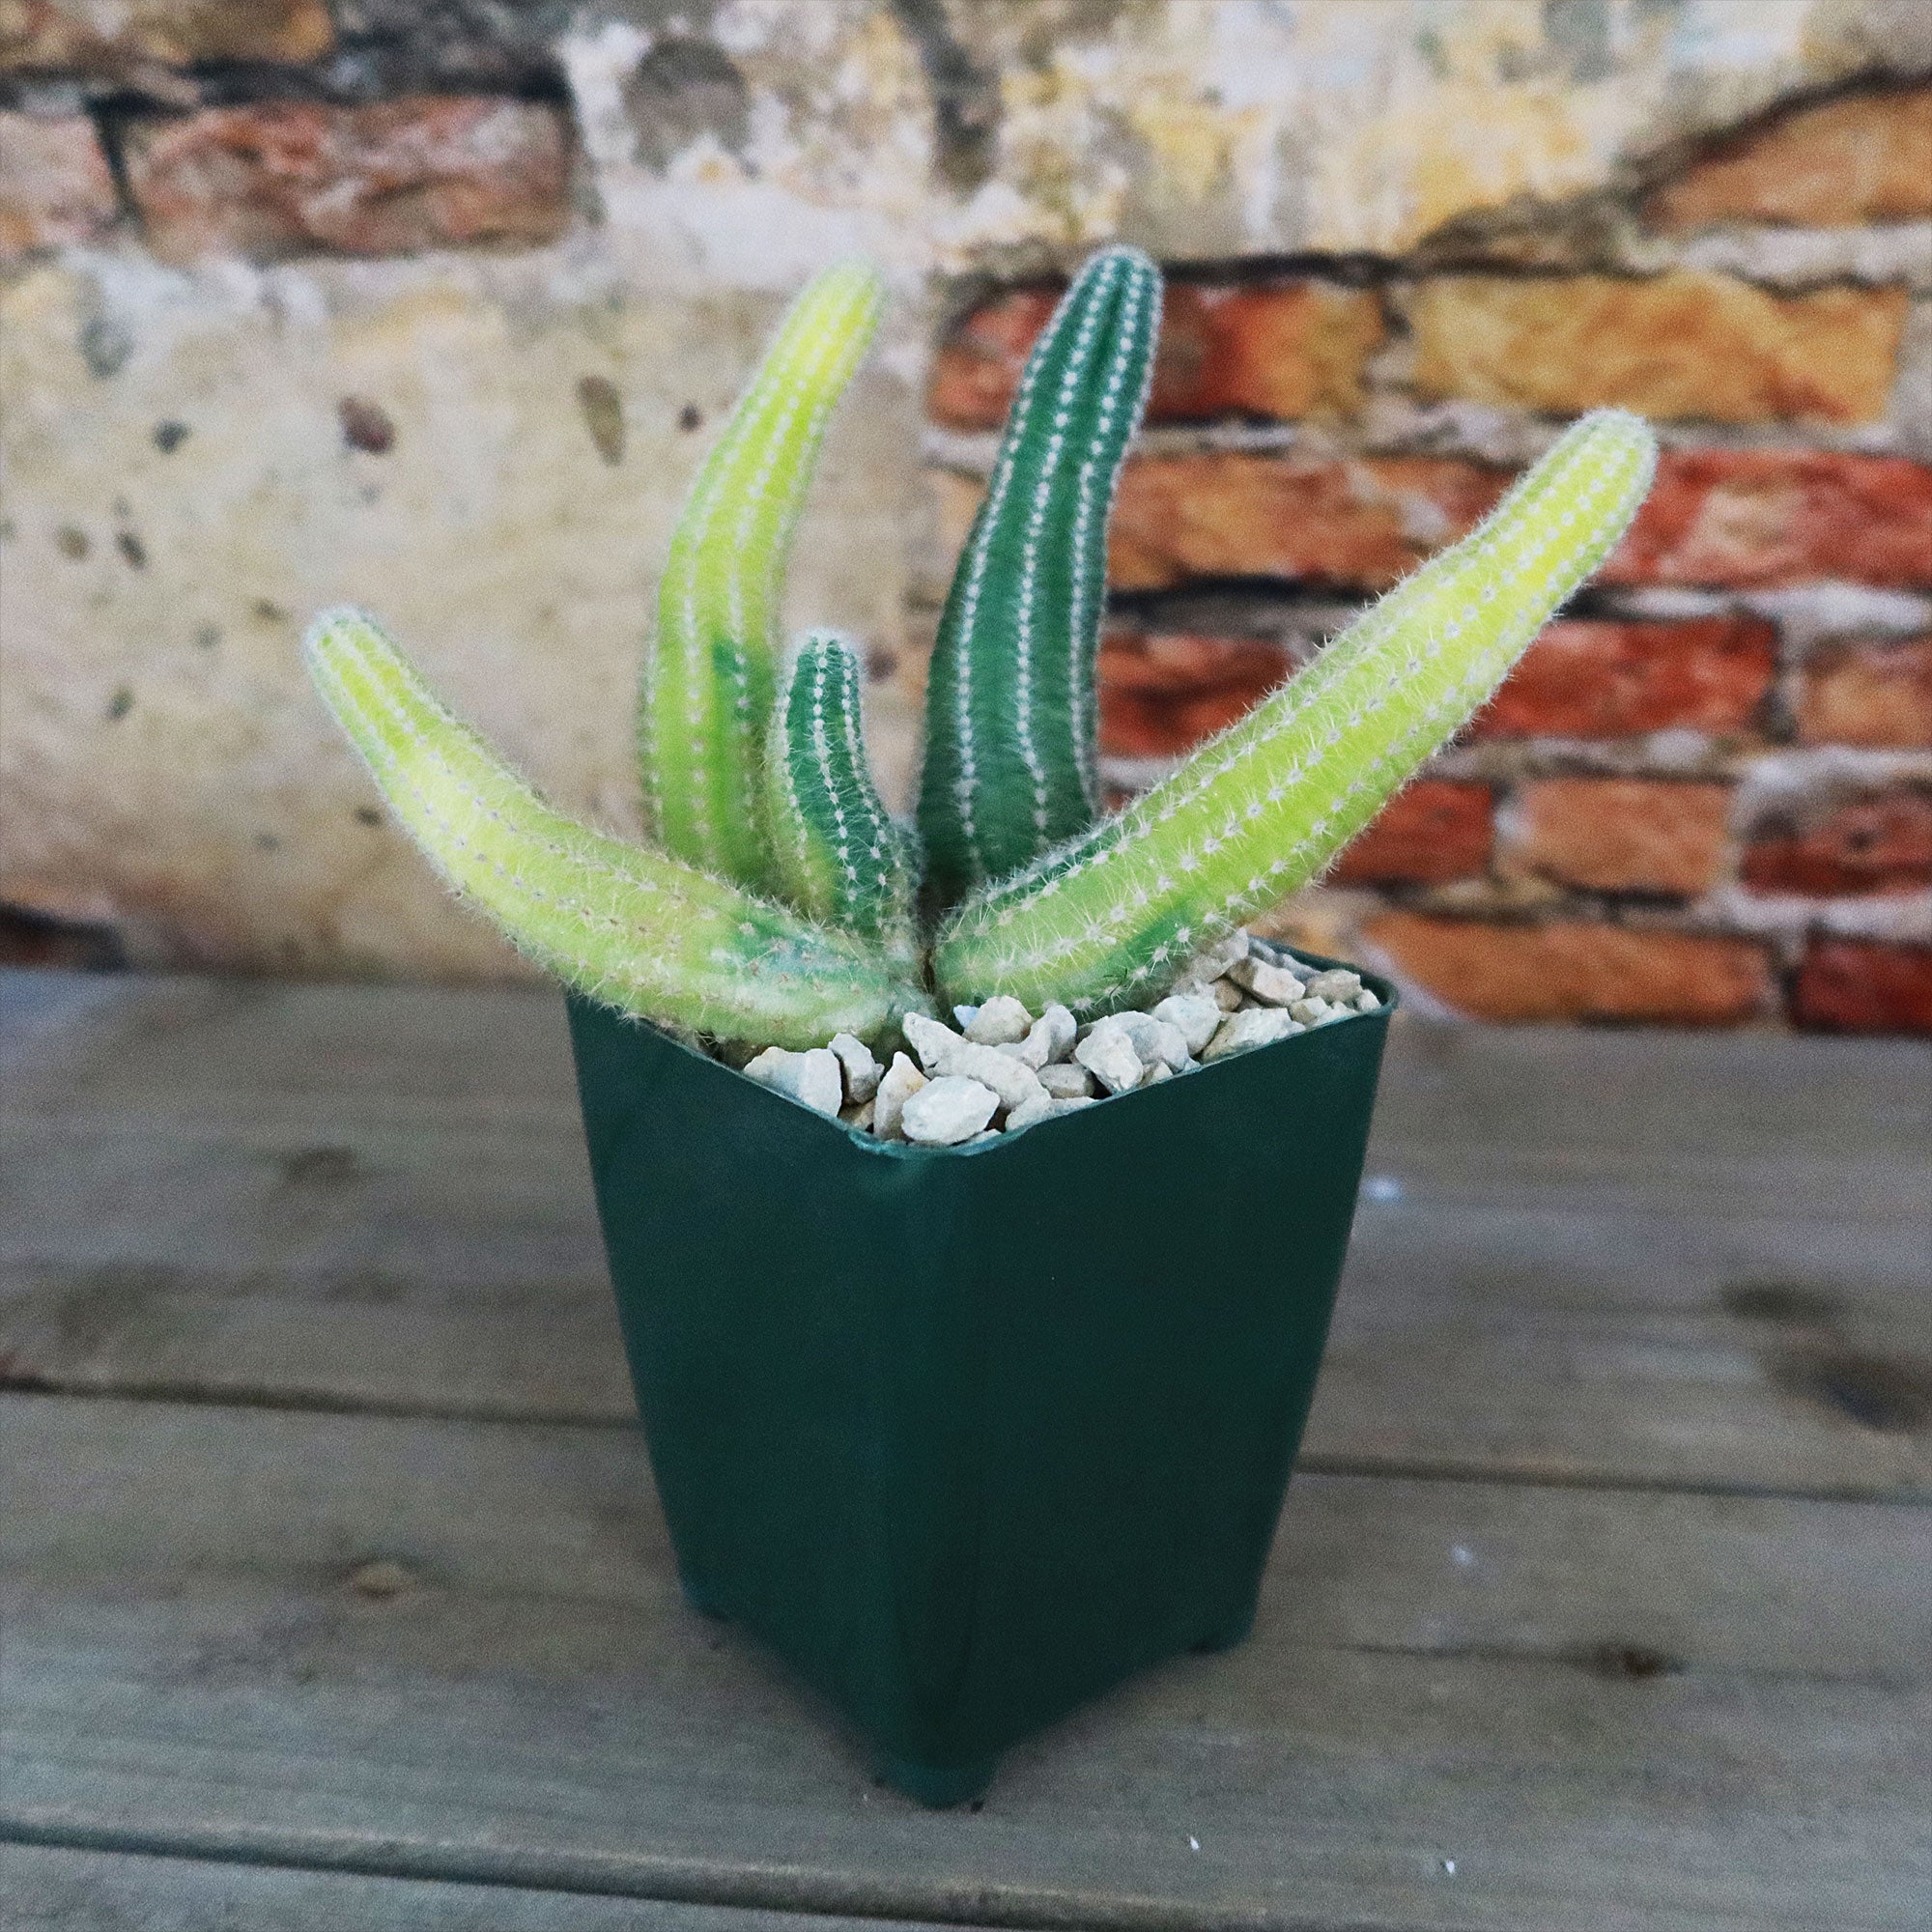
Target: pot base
column 936, row 1786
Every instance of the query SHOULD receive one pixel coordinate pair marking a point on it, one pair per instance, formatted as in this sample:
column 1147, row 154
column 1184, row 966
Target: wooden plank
column 1653, row 1709
column 1471, row 1109
column 60, row 1889
column 1565, row 1266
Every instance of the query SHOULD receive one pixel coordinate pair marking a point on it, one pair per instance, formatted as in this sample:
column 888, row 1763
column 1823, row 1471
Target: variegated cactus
column 778, row 902
column 708, row 679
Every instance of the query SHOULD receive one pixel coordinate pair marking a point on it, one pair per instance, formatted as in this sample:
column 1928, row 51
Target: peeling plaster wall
column 182, row 494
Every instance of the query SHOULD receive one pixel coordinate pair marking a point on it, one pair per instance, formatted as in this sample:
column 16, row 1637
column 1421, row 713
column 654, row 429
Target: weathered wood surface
column 1682, row 1704
column 1603, row 1603
column 47, row 1889
column 1590, row 1256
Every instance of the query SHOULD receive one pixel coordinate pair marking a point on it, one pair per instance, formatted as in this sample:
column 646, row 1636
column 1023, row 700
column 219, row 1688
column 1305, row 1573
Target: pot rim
column 1383, row 990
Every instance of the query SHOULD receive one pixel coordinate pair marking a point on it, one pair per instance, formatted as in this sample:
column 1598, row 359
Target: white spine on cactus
column 1261, row 810
column 635, row 929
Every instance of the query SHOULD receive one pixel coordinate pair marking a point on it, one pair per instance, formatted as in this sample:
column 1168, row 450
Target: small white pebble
column 1259, row 1026
column 1310, row 1012
column 901, row 1080
column 1065, row 1082
column 1047, row 1038
column 1038, row 1108
column 1160, row 1070
column 1030, row 1052
column 964, row 1016
column 1449, row 1865
column 944, row 1052
column 1193, row 1843
column 1205, row 968
column 861, row 1071
column 1226, row 995
column 1367, row 1003
column 813, row 1078
column 999, row 1022
column 928, row 1038
column 1336, row 982
column 1062, row 1029
column 947, row 1111
column 860, row 1116
column 1193, row 1016
column 1073, row 1103
column 1109, row 1055
column 1273, row 985
column 1153, row 1039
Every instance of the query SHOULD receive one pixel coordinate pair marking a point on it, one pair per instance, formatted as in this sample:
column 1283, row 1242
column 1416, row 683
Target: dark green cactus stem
column 1113, row 915
column 709, row 675
column 842, row 857
column 1010, row 710
column 635, row 929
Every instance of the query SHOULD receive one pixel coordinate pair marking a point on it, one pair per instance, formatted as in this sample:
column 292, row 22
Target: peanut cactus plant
column 778, row 902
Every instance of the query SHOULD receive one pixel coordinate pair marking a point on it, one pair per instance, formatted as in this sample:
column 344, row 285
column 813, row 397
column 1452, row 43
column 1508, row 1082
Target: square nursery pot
column 968, row 1436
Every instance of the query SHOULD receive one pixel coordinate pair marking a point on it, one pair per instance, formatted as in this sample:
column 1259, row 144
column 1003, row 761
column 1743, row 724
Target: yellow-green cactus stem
column 710, row 670
column 639, row 930
column 842, row 857
column 1112, row 915
column 1010, row 708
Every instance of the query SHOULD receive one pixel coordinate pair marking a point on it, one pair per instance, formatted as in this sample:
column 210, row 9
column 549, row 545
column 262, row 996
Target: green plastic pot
column 969, row 1435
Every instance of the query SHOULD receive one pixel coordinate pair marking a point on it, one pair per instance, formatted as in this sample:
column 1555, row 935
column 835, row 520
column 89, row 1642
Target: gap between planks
column 729, row 1902
column 1371, row 1468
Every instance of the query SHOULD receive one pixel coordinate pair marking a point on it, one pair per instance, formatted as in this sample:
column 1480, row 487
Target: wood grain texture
column 1707, row 1709
column 57, row 1890
column 1649, row 1259
column 1600, row 1599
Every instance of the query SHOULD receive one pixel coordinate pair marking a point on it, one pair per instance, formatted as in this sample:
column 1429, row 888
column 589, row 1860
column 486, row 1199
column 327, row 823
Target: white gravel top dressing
column 1004, row 1069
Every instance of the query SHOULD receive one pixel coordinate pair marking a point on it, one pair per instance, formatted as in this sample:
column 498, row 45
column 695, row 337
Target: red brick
column 1577, row 970
column 1162, row 694
column 1365, row 522
column 1276, row 350
column 1865, row 158
column 1868, row 693
column 1748, row 517
column 1877, row 844
column 1602, row 678
column 1863, row 985
column 1621, row 834
column 1716, row 517
column 1685, row 345
column 54, row 182
column 106, row 37
column 1438, row 829
column 424, row 172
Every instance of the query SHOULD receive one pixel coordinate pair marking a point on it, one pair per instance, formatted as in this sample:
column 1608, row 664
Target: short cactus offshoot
column 779, row 902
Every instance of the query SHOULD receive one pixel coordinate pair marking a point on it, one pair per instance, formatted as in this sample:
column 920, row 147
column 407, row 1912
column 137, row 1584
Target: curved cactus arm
column 635, row 929
column 840, row 857
column 1261, row 808
column 709, row 671
column 1010, row 711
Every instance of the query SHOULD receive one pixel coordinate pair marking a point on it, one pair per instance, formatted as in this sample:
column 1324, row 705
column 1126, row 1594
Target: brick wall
column 1706, row 795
